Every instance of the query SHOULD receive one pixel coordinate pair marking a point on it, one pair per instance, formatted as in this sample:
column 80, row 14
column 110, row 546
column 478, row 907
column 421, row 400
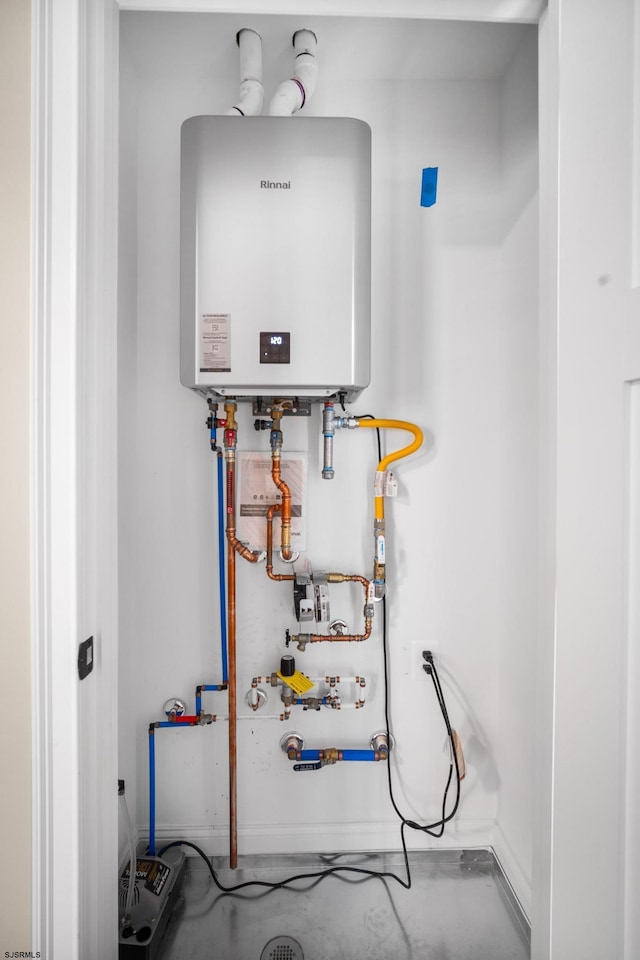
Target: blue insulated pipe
column 205, row 686
column 221, row 564
column 152, row 790
column 345, row 755
column 176, row 724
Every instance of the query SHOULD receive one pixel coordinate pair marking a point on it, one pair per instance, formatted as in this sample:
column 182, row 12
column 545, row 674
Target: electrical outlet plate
column 417, row 660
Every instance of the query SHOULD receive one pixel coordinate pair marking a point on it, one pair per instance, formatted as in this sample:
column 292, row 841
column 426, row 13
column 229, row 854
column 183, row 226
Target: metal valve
column 291, row 743
column 175, row 707
column 301, row 639
column 381, row 742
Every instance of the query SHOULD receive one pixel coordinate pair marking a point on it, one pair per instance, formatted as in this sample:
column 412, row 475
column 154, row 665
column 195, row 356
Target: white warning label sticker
column 215, row 343
column 257, row 492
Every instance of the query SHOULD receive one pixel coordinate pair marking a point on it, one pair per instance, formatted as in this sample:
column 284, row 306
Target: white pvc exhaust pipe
column 292, row 95
column 251, row 90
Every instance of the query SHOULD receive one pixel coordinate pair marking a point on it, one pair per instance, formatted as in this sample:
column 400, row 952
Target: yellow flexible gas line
column 397, row 455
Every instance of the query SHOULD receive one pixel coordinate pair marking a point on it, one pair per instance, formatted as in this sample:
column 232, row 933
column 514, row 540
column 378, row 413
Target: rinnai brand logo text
column 275, row 184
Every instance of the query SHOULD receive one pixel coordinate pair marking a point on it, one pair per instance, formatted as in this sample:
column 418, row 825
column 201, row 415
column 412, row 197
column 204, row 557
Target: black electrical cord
column 435, row 829
column 318, row 875
column 404, row 821
column 430, row 669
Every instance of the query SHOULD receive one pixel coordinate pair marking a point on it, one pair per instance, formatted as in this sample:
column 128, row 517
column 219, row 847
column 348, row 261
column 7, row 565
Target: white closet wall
column 454, row 323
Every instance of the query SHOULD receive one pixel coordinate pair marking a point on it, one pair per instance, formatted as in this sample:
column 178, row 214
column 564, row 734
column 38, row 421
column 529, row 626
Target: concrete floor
column 460, row 907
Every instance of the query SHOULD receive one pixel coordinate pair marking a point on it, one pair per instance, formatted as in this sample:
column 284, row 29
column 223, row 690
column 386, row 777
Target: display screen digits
column 275, row 347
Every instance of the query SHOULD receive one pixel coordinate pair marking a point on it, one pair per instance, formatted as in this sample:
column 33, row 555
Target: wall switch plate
column 85, row 658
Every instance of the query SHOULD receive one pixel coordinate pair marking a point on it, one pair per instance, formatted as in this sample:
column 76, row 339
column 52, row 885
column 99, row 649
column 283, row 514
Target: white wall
column 454, row 333
column 127, row 387
column 15, row 660
column 514, row 737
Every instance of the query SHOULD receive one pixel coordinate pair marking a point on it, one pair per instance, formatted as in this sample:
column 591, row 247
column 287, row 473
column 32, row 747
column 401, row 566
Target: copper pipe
column 346, row 638
column 240, row 548
column 233, row 745
column 275, row 508
column 285, row 535
column 236, row 544
column 230, row 447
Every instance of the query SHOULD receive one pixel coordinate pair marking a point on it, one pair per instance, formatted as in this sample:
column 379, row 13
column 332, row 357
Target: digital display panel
column 275, row 347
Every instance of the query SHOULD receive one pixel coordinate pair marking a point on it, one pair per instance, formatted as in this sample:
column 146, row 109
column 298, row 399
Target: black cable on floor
column 318, row 875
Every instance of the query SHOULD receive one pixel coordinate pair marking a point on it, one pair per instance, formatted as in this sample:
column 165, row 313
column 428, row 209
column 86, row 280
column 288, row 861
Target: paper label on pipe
column 257, row 492
column 380, row 549
column 378, row 483
column 390, row 485
column 215, row 343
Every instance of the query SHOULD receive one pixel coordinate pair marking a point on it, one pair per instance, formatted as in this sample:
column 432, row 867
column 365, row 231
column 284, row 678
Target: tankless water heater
column 275, row 256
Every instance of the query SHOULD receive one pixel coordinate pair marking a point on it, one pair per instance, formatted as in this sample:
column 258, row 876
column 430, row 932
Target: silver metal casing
column 275, row 256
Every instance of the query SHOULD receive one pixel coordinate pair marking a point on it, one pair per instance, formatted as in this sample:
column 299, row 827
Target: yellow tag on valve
column 297, row 681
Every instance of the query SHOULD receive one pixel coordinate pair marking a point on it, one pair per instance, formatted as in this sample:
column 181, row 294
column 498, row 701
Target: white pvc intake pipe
column 251, row 96
column 294, row 93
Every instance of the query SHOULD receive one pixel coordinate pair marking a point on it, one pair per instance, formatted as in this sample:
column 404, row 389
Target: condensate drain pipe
column 251, row 90
column 292, row 95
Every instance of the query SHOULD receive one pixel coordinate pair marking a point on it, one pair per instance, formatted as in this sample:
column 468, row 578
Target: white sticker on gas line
column 215, row 343
column 257, row 492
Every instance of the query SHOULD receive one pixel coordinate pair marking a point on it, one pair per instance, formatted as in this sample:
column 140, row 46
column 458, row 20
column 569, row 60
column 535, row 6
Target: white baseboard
column 331, row 837
column 512, row 868
column 260, row 839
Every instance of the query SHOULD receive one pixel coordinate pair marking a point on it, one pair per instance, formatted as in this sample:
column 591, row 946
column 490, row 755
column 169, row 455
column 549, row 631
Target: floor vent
column 282, row 948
